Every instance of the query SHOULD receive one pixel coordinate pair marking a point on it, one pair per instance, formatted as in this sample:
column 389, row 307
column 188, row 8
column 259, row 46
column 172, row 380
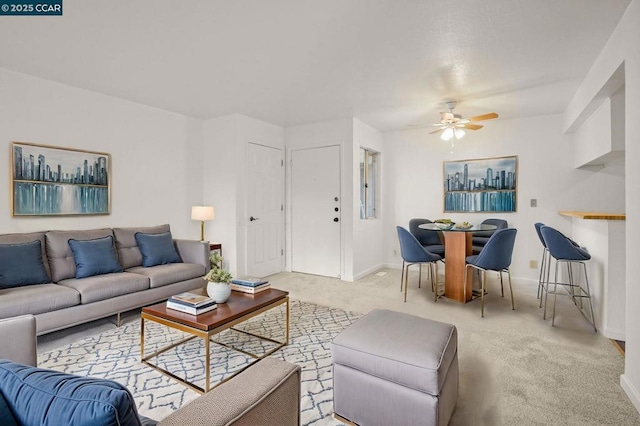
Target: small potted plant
column 218, row 285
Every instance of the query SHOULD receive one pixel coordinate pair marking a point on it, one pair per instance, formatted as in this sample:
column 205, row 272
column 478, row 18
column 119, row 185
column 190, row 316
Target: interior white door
column 315, row 211
column 265, row 210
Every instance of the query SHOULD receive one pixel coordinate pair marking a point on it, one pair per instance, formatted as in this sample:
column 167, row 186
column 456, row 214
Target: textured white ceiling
column 390, row 63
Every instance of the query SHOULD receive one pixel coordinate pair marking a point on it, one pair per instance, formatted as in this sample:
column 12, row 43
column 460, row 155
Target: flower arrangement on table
column 218, row 280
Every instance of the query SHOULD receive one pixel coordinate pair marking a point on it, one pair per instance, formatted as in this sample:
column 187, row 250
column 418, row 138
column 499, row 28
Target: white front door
column 265, row 210
column 315, row 211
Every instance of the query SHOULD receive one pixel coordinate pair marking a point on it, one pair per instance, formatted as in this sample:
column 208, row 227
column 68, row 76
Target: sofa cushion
column 36, row 299
column 50, row 398
column 127, row 247
column 94, row 257
column 157, row 249
column 25, row 238
column 6, row 418
column 60, row 256
column 107, row 286
column 162, row 275
column 21, row 264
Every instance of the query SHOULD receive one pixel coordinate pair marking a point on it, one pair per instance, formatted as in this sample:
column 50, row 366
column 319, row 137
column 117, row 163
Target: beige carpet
column 515, row 369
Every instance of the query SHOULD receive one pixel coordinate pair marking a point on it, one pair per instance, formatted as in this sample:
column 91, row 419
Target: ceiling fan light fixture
column 459, row 133
column 447, row 134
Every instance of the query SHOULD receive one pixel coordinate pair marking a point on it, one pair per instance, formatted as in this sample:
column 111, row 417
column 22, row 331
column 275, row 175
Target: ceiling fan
column 453, row 126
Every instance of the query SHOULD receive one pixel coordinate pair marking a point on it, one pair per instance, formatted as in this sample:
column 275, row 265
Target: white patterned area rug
column 115, row 355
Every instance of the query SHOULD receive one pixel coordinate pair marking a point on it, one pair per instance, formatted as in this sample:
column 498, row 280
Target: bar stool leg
column 542, row 265
column 402, row 276
column 572, row 286
column 593, row 318
column 420, row 275
column 555, row 296
column 546, row 289
column 545, row 284
column 501, row 285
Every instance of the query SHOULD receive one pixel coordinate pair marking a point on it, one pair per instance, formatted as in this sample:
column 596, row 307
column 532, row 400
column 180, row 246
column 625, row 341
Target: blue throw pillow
column 157, row 249
column 37, row 396
column 94, row 257
column 6, row 418
column 21, row 264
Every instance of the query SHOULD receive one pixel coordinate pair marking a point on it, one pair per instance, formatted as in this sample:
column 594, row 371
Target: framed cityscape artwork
column 53, row 181
column 481, row 185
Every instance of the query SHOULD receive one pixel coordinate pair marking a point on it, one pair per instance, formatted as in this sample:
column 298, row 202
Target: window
column 368, row 183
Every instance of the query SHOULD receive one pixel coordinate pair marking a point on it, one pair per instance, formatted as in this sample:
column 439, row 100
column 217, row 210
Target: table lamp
column 202, row 213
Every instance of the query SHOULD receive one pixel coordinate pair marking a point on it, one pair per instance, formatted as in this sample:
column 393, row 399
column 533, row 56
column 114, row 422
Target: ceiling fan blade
column 437, row 131
column 472, row 126
column 487, row 116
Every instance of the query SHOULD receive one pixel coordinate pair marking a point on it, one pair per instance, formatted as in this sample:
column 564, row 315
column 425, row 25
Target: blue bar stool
column 543, row 279
column 565, row 250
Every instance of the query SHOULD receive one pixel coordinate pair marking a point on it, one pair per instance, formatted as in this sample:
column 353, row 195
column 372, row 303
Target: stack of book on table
column 191, row 303
column 250, row 285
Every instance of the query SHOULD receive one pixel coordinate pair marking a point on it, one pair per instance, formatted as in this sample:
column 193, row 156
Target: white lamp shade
column 202, row 213
column 447, row 134
column 459, row 133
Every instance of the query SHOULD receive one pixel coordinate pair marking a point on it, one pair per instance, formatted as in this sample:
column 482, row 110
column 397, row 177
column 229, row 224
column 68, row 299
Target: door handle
column 335, row 219
column 253, row 218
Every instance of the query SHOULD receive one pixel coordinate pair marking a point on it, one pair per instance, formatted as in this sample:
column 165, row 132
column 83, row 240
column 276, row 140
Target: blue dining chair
column 413, row 253
column 480, row 238
column 495, row 256
column 565, row 250
column 431, row 240
column 543, row 278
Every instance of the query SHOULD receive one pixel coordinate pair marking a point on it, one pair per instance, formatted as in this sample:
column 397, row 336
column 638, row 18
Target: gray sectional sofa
column 267, row 393
column 68, row 301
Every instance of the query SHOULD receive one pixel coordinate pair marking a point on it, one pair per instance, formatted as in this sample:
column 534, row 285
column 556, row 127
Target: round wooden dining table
column 457, row 246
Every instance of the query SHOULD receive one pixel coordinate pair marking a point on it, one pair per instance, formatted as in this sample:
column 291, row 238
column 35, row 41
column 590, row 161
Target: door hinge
column 281, row 207
column 281, row 163
column 281, row 252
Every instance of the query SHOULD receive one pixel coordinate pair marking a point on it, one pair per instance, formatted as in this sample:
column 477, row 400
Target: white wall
column 413, row 181
column 225, row 158
column 156, row 172
column 621, row 49
column 605, row 240
column 368, row 234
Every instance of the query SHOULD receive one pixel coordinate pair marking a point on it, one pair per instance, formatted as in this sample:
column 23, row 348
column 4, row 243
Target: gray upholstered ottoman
column 391, row 368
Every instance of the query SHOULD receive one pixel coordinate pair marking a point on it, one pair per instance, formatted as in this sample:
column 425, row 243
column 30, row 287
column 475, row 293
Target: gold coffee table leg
column 207, row 365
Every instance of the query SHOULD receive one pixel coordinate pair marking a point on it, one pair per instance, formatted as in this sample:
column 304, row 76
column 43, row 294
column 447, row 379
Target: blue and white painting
column 50, row 181
column 482, row 185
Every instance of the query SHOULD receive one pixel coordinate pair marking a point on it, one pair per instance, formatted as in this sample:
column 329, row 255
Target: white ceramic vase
column 219, row 292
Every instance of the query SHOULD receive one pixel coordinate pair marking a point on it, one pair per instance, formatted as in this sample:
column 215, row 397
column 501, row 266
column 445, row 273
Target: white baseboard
column 631, row 391
column 613, row 334
column 367, row 272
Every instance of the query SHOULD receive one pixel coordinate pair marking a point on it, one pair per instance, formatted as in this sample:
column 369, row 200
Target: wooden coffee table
column 239, row 308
